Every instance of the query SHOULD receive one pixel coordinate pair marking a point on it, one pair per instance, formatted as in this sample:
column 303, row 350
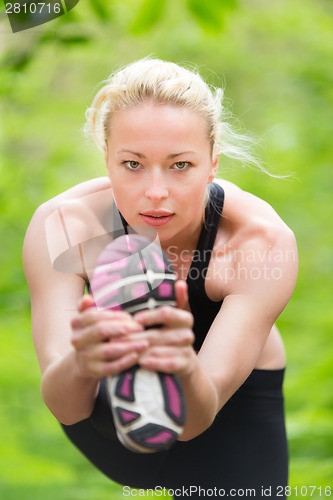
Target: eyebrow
column 170, row 156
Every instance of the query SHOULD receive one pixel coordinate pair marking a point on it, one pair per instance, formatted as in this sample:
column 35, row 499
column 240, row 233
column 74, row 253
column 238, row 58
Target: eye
column 181, row 165
column 131, row 165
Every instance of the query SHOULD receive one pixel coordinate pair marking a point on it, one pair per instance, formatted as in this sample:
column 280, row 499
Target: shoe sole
column 133, row 274
column 148, row 408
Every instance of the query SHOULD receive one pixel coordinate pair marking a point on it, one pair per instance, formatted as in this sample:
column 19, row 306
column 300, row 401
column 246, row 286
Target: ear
column 213, row 170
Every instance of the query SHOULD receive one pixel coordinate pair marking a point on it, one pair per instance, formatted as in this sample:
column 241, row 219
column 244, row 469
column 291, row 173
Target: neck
column 185, row 242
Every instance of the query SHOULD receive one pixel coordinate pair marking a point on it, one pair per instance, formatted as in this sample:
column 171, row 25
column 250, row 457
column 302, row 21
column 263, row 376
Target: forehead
column 158, row 122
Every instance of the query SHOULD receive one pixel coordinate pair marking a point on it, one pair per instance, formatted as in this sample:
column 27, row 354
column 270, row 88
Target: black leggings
column 245, row 450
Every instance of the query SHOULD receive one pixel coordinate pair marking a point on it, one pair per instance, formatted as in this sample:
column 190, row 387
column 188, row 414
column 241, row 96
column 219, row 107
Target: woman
column 161, row 129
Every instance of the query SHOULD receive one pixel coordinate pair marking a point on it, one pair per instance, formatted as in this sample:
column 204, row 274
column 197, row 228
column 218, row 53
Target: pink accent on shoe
column 139, row 289
column 128, row 416
column 113, row 261
column 165, row 289
column 160, row 438
column 140, row 266
column 102, row 280
column 160, row 264
column 125, row 390
column 174, row 397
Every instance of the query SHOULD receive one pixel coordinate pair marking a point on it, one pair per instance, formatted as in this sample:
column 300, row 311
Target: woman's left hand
column 170, row 345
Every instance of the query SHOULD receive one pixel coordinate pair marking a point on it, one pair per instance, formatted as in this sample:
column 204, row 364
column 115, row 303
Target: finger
column 92, row 315
column 99, row 369
column 93, row 360
column 85, row 302
column 167, row 360
column 115, row 367
column 172, row 317
column 101, row 332
column 173, row 337
column 112, row 351
column 181, row 293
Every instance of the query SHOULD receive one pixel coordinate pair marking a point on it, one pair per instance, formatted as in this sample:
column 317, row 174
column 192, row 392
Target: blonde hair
column 167, row 83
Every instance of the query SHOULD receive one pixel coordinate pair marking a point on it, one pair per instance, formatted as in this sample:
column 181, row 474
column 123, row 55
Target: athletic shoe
column 133, row 274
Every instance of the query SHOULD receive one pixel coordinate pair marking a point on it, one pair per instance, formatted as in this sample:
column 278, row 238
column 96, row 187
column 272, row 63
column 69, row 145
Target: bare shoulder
column 254, row 246
column 68, row 220
column 53, row 264
column 247, row 211
column 80, row 198
column 78, row 195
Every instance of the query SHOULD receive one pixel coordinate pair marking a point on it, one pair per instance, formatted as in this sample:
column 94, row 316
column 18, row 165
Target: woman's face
column 159, row 162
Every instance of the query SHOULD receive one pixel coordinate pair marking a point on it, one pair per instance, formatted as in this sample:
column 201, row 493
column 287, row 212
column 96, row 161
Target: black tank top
column 203, row 309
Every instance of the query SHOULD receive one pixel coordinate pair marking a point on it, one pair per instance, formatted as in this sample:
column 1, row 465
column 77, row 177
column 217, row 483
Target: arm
column 54, row 298
column 237, row 335
column 71, row 341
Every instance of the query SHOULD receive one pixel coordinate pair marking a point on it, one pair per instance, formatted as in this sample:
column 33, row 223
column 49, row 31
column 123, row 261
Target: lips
column 157, row 217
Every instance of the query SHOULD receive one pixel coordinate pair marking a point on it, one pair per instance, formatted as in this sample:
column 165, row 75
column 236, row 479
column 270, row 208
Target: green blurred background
column 275, row 60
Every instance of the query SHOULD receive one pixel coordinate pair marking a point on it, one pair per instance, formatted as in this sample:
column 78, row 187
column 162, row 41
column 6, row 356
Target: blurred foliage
column 147, row 15
column 275, row 61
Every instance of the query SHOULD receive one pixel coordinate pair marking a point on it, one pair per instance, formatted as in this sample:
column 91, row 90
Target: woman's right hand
column 101, row 340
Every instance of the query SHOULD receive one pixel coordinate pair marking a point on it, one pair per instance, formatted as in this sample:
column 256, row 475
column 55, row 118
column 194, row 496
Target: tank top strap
column 213, row 214
column 208, row 233
column 203, row 309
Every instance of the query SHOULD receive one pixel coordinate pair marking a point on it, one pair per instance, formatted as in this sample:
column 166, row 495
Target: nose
column 156, row 188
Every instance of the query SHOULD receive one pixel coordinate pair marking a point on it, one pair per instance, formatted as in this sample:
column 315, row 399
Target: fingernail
column 142, row 345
